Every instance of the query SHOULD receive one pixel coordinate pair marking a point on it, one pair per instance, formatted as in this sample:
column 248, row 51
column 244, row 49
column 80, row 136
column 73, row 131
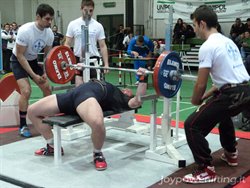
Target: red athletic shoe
column 99, row 160
column 230, row 158
column 47, row 151
column 204, row 174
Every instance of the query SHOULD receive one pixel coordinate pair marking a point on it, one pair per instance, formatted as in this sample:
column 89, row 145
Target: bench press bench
column 64, row 121
column 155, row 151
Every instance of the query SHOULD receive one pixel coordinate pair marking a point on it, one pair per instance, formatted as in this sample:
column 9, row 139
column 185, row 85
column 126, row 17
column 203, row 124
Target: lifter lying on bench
column 88, row 100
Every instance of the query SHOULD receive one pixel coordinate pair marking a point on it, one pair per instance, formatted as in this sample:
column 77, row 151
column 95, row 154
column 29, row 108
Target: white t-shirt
column 11, row 44
column 126, row 41
column 223, row 57
column 96, row 32
column 35, row 39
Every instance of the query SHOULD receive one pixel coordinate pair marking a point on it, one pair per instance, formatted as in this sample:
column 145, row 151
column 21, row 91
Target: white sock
column 50, row 142
column 97, row 151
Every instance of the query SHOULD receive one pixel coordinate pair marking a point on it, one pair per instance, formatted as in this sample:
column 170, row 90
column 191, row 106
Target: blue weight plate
column 166, row 85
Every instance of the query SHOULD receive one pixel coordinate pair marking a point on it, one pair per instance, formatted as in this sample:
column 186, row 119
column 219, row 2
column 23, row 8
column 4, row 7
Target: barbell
column 60, row 65
column 81, row 66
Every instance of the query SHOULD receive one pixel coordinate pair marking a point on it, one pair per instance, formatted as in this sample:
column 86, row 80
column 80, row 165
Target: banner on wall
column 1, row 51
column 226, row 10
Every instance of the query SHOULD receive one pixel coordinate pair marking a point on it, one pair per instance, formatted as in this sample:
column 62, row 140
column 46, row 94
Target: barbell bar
column 60, row 66
column 174, row 74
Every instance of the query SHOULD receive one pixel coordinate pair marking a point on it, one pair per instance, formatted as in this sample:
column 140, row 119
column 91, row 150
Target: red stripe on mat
column 245, row 183
column 146, row 119
column 5, row 130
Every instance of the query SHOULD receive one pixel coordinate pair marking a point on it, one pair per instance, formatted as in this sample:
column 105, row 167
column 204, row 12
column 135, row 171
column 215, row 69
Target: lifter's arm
column 104, row 52
column 200, row 86
column 68, row 41
column 46, row 50
column 135, row 102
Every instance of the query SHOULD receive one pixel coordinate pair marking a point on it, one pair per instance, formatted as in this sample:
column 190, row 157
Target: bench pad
column 68, row 120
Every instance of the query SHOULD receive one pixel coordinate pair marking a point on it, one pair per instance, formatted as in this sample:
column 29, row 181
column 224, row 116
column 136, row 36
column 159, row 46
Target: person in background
column 157, row 49
column 140, row 46
column 126, row 40
column 31, row 39
column 236, row 30
column 219, row 29
column 6, row 39
column 247, row 64
column 178, row 31
column 58, row 37
column 14, row 28
column 247, row 25
column 219, row 58
column 96, row 35
column 12, row 41
column 245, row 45
column 187, row 32
column 119, row 38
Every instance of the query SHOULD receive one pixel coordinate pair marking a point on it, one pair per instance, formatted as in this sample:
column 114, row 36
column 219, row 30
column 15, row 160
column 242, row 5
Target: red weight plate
column 157, row 68
column 8, row 84
column 53, row 64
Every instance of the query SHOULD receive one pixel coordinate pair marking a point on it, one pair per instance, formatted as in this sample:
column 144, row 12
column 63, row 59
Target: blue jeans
column 244, row 52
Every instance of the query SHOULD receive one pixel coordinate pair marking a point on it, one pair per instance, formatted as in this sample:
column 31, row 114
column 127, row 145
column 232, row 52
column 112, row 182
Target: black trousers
column 6, row 60
column 216, row 110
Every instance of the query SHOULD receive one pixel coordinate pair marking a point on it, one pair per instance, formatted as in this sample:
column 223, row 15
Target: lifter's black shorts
column 68, row 102
column 19, row 71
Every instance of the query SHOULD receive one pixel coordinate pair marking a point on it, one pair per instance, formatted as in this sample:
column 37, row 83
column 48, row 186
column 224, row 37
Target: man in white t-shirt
column 96, row 34
column 220, row 58
column 32, row 38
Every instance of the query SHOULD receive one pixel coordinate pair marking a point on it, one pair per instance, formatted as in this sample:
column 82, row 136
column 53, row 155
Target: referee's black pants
column 215, row 110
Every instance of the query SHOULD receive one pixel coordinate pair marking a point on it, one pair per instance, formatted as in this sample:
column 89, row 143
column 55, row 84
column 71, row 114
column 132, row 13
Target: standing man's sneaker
column 47, row 151
column 25, row 132
column 204, row 174
column 99, row 161
column 2, row 72
column 230, row 158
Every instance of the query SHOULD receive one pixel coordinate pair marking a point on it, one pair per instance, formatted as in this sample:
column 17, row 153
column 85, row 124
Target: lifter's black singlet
column 108, row 96
column 115, row 100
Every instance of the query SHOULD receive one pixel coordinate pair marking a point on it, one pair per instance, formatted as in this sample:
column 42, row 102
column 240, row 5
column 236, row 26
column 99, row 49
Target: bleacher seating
column 190, row 58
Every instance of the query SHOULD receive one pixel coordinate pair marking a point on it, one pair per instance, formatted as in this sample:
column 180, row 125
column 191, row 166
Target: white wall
column 70, row 9
column 7, row 9
column 101, row 10
column 23, row 11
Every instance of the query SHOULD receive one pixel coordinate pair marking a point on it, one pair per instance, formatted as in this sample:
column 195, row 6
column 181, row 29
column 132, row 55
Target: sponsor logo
column 38, row 45
column 164, row 6
column 218, row 7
